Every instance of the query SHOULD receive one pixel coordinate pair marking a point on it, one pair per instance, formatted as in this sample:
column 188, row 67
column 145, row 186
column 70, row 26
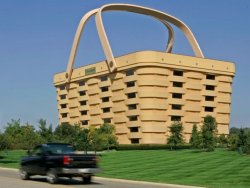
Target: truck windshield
column 60, row 149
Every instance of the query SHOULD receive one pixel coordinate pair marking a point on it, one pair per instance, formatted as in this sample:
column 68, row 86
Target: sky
column 36, row 38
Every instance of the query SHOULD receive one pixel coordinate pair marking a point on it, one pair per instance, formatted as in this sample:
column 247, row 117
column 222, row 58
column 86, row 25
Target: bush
column 150, row 146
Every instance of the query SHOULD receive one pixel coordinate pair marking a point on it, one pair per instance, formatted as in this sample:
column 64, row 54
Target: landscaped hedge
column 150, row 146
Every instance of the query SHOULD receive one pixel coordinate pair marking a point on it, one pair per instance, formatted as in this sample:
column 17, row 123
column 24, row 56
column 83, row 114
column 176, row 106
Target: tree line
column 17, row 136
column 207, row 137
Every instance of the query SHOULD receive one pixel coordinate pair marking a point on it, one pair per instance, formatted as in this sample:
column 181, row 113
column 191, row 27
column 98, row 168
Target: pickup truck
column 56, row 160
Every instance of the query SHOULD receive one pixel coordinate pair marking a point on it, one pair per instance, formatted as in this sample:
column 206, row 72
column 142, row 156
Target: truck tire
column 52, row 176
column 24, row 175
column 87, row 179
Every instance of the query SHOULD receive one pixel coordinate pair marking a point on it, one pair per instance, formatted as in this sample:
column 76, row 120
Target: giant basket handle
column 78, row 34
column 141, row 10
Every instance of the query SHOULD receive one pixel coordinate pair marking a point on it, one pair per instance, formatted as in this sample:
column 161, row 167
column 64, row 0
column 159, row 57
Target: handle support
column 141, row 10
column 162, row 17
column 78, row 34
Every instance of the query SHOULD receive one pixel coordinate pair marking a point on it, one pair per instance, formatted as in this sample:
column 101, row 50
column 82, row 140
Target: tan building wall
column 146, row 94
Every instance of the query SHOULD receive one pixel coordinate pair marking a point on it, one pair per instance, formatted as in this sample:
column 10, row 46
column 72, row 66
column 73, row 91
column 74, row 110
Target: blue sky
column 36, row 38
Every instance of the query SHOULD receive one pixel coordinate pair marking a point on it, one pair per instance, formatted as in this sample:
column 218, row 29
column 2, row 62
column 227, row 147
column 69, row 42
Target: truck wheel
column 52, row 176
column 86, row 179
column 24, row 174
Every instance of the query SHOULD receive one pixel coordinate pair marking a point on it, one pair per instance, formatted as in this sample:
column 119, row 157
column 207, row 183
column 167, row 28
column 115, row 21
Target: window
column 81, row 83
column 64, row 115
column 130, row 72
column 210, row 77
column 82, row 103
column 134, row 140
column 82, row 93
column 85, row 122
column 62, row 87
column 133, row 118
column 209, row 98
column 176, row 95
column 176, row 106
column 106, row 120
column 63, row 105
column 177, row 84
column 178, row 73
column 134, row 129
column 104, row 89
column 106, row 110
column 130, row 84
column 105, row 99
column 85, row 112
column 62, row 97
column 132, row 106
column 104, row 78
column 175, row 118
column 209, row 87
column 209, row 109
column 131, row 95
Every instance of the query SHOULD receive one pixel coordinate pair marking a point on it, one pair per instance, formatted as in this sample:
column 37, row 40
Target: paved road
column 10, row 179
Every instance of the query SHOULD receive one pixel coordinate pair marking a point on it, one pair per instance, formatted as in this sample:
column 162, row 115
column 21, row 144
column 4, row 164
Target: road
column 10, row 179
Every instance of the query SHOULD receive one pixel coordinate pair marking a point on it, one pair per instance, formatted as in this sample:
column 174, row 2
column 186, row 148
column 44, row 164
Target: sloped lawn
column 189, row 167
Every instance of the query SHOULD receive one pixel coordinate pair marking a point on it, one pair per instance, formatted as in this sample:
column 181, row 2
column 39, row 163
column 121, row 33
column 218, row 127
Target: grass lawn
column 189, row 167
column 10, row 159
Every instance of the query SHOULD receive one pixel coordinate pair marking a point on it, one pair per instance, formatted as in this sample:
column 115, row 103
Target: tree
column 20, row 136
column 83, row 141
column 106, row 134
column 195, row 139
column 95, row 139
column 11, row 133
column 242, row 138
column 67, row 133
column 176, row 136
column 4, row 144
column 234, row 130
column 232, row 141
column 45, row 133
column 246, row 148
column 209, row 129
column 222, row 140
column 28, row 138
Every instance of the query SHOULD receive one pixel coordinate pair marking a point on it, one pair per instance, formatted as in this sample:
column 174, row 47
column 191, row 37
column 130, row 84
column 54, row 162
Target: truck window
column 60, row 149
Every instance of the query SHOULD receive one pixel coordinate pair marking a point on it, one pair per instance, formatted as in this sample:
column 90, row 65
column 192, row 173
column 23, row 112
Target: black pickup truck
column 58, row 160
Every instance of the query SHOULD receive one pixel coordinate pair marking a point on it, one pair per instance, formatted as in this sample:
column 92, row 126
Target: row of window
column 133, row 95
column 132, row 84
column 180, row 73
column 134, row 106
column 175, row 73
column 132, row 72
column 135, row 117
column 105, row 78
column 105, row 120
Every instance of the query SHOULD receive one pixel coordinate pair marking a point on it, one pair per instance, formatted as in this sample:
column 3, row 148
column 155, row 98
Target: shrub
column 176, row 136
column 150, row 146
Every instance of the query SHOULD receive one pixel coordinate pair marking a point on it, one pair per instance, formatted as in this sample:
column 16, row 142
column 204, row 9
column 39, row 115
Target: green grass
column 189, row 167
column 11, row 159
